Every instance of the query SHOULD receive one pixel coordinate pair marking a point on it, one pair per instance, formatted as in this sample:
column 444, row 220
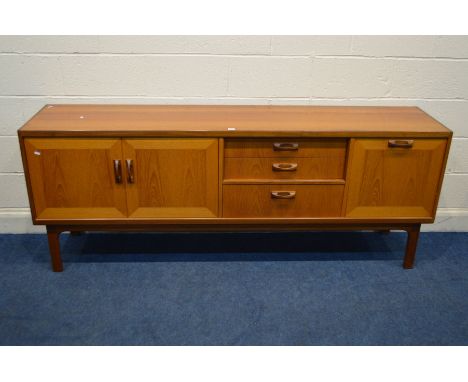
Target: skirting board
column 18, row 220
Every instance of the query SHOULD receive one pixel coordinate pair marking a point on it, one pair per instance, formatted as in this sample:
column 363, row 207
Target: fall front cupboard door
column 394, row 177
column 171, row 178
column 75, row 178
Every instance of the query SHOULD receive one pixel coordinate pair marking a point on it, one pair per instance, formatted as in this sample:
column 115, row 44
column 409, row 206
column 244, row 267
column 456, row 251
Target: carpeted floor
column 234, row 289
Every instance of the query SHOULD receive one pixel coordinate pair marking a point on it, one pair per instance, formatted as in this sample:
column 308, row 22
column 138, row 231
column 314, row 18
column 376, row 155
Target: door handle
column 402, row 143
column 117, row 171
column 283, row 194
column 285, row 146
column 130, row 174
column 284, row 166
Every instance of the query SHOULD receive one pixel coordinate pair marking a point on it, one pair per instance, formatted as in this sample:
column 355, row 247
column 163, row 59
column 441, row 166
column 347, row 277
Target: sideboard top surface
column 235, row 121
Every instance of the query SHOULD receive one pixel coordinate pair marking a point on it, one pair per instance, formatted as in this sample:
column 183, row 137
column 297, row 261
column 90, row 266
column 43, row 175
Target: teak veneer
column 210, row 168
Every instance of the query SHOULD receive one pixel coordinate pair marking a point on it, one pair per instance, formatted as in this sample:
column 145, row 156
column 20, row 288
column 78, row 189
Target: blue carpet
column 234, row 289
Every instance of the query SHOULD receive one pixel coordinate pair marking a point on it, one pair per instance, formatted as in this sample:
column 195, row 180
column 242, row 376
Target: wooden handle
column 130, row 174
column 284, row 166
column 403, row 143
column 117, row 171
column 285, row 146
column 283, row 194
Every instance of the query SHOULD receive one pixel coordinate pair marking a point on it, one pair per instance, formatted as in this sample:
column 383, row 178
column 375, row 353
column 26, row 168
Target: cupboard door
column 74, row 178
column 172, row 178
column 394, row 178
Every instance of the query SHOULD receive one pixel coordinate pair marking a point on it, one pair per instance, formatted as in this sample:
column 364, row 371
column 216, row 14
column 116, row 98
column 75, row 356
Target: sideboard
column 231, row 168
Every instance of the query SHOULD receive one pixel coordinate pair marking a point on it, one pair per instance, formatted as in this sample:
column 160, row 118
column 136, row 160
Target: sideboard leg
column 411, row 244
column 54, row 249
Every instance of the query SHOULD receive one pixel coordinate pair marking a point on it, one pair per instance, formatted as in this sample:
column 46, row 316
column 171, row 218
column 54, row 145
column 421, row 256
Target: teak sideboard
column 200, row 168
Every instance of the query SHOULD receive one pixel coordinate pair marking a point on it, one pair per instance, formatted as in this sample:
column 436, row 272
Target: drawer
column 284, row 148
column 278, row 201
column 264, row 169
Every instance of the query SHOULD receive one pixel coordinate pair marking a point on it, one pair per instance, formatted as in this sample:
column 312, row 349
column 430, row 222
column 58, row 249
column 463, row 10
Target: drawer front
column 284, row 148
column 278, row 201
column 264, row 169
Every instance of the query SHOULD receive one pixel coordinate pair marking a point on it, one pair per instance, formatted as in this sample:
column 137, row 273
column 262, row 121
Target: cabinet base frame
column 54, row 231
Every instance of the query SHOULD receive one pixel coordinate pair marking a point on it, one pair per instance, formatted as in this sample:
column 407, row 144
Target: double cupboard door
column 94, row 178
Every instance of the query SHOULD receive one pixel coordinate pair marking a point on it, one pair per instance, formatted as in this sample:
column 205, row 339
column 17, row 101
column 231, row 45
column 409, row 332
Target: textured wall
column 427, row 71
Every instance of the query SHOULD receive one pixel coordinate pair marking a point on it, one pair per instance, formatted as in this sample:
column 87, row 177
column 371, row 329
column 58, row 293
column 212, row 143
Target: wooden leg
column 411, row 244
column 54, row 249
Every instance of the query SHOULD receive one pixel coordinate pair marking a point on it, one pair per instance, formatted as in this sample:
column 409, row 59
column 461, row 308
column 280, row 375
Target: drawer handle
column 402, row 143
column 283, row 194
column 117, row 171
column 285, row 146
column 284, row 166
column 130, row 174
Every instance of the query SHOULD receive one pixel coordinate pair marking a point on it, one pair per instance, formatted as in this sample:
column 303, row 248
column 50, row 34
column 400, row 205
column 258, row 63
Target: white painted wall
column 426, row 71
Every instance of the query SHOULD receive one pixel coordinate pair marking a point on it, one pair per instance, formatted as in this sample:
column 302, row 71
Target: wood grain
column 173, row 177
column 264, row 148
column 347, row 173
column 73, row 178
column 220, row 175
column 231, row 121
column 441, row 175
column 251, row 201
column 388, row 182
column 319, row 168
